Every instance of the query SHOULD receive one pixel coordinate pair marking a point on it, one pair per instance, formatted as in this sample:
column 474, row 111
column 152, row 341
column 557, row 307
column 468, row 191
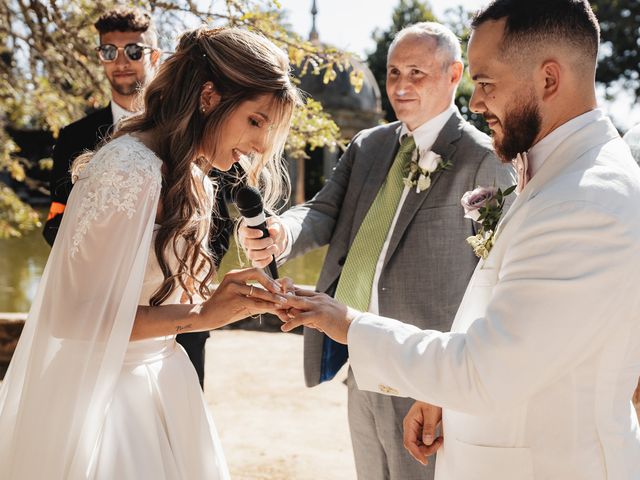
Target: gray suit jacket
column 428, row 263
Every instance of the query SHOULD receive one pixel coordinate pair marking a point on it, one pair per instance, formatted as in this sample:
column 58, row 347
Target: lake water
column 22, row 261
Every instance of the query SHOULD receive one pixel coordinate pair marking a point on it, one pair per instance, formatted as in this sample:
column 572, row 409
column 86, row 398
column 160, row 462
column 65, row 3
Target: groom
column 536, row 376
column 393, row 248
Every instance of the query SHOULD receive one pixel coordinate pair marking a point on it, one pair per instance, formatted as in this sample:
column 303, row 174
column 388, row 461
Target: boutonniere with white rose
column 424, row 164
column 484, row 206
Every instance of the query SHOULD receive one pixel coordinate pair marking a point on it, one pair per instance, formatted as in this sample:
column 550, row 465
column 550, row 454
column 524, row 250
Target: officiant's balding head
column 533, row 64
column 424, row 68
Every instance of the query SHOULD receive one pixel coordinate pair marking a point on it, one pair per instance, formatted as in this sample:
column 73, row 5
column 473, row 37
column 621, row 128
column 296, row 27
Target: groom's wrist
column 350, row 317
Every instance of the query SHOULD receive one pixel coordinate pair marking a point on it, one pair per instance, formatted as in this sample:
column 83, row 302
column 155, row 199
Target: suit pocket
column 475, row 462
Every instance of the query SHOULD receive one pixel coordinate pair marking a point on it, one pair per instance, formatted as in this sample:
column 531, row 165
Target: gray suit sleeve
column 311, row 225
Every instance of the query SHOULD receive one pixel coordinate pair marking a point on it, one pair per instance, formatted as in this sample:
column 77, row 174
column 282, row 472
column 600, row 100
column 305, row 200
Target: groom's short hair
column 541, row 23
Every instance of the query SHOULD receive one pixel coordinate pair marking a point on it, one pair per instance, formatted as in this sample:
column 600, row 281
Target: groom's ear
column 550, row 79
column 209, row 97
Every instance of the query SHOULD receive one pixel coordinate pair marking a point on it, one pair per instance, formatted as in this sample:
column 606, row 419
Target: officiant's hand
column 261, row 250
column 235, row 298
column 319, row 311
column 420, row 430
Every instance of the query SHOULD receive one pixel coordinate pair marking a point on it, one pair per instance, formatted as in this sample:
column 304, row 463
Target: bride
column 98, row 388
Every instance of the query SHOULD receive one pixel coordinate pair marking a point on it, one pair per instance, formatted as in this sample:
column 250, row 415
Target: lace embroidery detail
column 115, row 177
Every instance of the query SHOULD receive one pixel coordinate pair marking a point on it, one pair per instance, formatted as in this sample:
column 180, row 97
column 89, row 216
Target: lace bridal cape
column 61, row 381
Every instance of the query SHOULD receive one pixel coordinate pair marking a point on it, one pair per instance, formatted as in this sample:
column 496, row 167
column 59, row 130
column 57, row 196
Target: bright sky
column 348, row 24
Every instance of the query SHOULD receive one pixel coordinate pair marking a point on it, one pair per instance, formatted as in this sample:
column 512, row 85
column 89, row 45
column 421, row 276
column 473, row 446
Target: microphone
column 249, row 202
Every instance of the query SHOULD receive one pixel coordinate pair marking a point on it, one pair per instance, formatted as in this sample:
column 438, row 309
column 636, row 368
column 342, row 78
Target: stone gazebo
column 351, row 111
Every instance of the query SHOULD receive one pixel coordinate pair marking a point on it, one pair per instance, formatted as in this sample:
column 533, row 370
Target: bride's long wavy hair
column 242, row 66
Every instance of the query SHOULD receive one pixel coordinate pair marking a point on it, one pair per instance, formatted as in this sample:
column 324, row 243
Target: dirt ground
column 272, row 427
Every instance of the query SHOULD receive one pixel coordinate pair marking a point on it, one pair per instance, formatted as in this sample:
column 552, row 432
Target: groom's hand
column 319, row 311
column 420, row 426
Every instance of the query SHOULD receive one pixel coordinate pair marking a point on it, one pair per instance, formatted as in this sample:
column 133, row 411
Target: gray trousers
column 375, row 422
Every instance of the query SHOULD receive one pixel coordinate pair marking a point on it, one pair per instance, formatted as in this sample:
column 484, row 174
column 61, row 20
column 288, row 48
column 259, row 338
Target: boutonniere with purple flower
column 484, row 206
column 423, row 166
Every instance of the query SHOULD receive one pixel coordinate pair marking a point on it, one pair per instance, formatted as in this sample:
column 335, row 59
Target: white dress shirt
column 119, row 113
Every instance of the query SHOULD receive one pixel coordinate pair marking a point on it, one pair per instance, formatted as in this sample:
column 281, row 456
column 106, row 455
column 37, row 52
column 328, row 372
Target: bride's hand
column 234, row 299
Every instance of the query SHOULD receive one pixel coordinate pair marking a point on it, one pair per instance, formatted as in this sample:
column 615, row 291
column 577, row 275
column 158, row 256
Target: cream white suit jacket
column 536, row 376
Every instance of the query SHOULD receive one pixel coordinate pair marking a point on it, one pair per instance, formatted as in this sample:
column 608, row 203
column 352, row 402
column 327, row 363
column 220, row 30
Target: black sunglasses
column 133, row 51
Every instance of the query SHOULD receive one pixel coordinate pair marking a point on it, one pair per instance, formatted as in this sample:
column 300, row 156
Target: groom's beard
column 520, row 128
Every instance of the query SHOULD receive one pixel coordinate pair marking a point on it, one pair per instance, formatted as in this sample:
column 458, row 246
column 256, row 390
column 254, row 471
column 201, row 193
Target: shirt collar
column 425, row 135
column 539, row 153
column 119, row 112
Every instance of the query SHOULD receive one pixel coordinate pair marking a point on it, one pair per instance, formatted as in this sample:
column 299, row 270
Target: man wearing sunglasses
column 129, row 55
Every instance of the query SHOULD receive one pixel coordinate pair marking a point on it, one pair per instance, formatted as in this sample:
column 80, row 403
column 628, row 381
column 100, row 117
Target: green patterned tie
column 356, row 280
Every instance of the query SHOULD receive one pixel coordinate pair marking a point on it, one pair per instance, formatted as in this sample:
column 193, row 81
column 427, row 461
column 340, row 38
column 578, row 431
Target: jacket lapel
column 104, row 124
column 443, row 146
column 378, row 170
column 573, row 147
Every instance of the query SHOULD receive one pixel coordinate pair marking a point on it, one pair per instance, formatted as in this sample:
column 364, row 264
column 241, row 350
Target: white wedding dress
column 79, row 400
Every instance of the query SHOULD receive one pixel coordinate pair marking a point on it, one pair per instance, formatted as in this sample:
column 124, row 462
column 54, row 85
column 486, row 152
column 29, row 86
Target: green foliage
column 312, row 127
column 491, row 211
column 15, row 216
column 49, row 73
column 620, row 34
column 406, row 13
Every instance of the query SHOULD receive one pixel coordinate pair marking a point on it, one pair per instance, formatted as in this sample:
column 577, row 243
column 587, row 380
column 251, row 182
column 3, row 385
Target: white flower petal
column 472, row 214
column 429, row 161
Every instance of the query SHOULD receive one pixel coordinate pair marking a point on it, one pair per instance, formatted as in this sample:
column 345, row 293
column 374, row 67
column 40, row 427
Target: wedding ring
column 250, row 291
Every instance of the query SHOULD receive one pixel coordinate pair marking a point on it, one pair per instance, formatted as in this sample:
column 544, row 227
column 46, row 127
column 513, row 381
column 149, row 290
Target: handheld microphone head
column 249, row 202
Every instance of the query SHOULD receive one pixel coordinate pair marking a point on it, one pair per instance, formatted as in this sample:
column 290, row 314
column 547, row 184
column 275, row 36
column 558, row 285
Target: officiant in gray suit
column 392, row 217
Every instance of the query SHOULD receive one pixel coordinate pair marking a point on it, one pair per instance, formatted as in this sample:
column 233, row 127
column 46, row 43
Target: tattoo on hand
column 180, row 328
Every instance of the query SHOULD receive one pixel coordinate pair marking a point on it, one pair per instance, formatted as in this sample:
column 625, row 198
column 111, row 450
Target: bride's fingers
column 257, row 307
column 267, row 282
column 257, row 293
column 298, row 302
column 286, row 285
column 255, row 275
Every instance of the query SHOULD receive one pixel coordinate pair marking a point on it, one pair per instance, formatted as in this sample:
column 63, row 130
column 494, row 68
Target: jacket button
column 341, row 261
